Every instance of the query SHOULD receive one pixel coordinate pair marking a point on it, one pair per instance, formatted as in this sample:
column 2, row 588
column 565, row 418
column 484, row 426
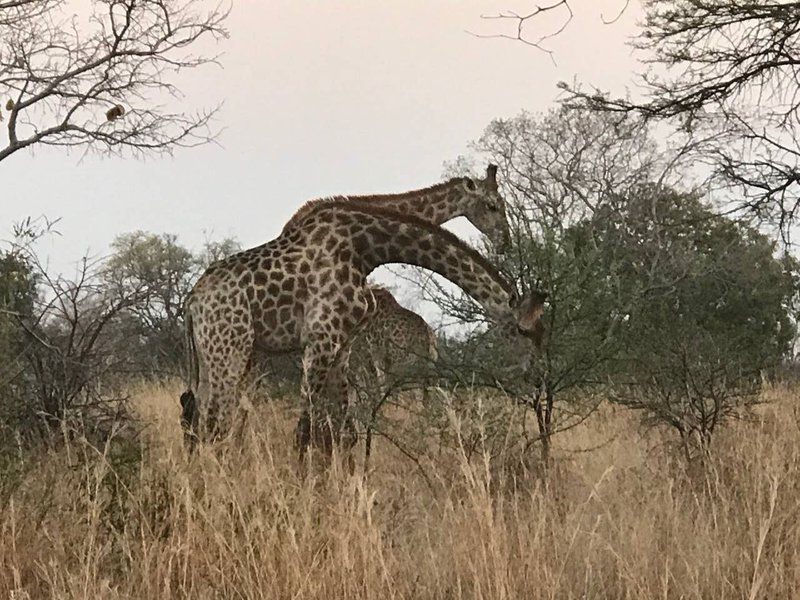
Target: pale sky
column 320, row 98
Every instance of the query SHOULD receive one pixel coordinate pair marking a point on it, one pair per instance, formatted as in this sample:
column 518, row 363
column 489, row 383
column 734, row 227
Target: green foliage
column 557, row 170
column 17, row 295
column 708, row 308
column 159, row 272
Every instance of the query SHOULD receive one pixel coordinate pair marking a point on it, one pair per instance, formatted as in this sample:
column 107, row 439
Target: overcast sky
column 320, row 98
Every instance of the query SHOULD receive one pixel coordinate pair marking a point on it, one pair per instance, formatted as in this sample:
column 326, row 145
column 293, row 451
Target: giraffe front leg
column 326, row 421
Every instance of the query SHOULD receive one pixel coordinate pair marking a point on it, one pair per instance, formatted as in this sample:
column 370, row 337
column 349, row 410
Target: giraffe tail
column 188, row 399
column 190, row 346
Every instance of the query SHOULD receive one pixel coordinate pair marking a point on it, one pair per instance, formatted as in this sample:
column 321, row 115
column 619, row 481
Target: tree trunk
column 543, row 405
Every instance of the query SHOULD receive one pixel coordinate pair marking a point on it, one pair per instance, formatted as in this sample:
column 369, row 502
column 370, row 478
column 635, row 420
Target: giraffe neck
column 436, row 205
column 379, row 237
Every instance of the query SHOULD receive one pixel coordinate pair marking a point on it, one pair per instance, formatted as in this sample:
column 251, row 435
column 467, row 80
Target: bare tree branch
column 731, row 72
column 99, row 83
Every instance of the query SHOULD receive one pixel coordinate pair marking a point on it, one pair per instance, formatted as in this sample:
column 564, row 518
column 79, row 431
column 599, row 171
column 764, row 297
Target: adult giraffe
column 306, row 289
column 394, row 329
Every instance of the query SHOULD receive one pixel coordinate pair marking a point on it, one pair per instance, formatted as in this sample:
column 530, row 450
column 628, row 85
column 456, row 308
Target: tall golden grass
column 618, row 517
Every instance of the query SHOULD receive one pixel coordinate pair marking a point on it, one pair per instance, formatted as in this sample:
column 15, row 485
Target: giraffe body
column 394, row 340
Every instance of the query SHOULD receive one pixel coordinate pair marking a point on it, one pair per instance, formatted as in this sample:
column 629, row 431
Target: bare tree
column 731, row 69
column 69, row 359
column 98, row 82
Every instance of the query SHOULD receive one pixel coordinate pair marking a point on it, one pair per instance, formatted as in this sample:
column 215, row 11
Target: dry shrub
column 617, row 517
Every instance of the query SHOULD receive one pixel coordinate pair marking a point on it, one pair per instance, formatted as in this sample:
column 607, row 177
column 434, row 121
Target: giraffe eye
column 491, row 207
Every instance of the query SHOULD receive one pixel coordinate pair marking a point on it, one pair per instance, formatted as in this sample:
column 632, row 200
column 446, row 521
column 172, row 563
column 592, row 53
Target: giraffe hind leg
column 224, row 362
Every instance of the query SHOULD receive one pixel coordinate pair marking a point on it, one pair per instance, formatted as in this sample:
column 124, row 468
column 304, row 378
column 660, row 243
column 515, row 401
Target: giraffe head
column 485, row 208
column 529, row 313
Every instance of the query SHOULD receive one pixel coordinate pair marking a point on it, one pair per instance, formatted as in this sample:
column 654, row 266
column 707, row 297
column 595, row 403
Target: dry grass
column 620, row 521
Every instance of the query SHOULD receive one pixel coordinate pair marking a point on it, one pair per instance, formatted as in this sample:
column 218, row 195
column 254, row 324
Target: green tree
column 713, row 315
column 17, row 295
column 160, row 272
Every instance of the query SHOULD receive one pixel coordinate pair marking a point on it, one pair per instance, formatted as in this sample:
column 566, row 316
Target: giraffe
column 391, row 350
column 306, row 289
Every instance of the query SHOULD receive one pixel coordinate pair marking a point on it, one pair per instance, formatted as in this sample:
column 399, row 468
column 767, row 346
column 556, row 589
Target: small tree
column 59, row 327
column 160, row 272
column 17, row 300
column 100, row 82
column 714, row 310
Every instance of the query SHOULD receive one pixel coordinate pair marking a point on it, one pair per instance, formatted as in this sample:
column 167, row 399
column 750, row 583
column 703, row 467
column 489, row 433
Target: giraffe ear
column 491, row 176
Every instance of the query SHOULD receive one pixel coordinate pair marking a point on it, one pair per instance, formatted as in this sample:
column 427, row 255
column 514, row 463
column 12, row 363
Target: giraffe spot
column 361, row 244
column 260, row 278
column 324, row 278
column 381, row 237
column 319, row 235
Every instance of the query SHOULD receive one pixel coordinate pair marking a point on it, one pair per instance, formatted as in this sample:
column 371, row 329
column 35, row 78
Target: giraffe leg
column 224, row 362
column 326, row 421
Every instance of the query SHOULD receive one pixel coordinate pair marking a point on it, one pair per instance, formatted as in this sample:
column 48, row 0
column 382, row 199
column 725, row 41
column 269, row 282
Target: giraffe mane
column 310, row 205
column 439, row 232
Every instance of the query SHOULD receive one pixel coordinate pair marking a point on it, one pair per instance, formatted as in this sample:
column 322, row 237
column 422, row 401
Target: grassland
column 620, row 516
